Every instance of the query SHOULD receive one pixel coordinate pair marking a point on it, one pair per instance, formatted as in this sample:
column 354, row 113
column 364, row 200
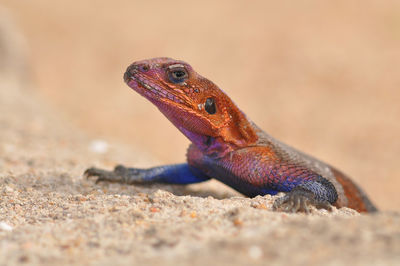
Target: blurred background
column 320, row 76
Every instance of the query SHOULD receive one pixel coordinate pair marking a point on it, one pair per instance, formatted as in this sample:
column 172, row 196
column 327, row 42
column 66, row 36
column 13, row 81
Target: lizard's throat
column 196, row 131
column 213, row 147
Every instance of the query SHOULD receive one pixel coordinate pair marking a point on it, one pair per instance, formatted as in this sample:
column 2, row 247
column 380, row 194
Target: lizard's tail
column 356, row 197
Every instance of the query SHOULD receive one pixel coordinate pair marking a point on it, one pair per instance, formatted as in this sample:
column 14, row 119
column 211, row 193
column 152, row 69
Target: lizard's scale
column 227, row 146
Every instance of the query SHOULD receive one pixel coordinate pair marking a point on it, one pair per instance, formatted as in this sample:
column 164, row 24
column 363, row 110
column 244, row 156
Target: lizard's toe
column 102, row 175
column 93, row 171
column 299, row 200
column 323, row 205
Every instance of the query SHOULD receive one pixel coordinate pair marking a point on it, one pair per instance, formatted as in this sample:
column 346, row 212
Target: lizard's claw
column 300, row 200
column 119, row 175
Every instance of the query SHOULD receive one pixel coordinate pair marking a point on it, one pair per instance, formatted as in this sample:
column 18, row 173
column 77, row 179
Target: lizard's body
column 229, row 147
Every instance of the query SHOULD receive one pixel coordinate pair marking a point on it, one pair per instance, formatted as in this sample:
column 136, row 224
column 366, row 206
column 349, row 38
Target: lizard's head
column 195, row 105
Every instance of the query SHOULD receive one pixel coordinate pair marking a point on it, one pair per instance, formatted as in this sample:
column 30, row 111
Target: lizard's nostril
column 144, row 67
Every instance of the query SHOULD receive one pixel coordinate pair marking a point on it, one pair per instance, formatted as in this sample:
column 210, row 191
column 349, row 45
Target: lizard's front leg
column 171, row 174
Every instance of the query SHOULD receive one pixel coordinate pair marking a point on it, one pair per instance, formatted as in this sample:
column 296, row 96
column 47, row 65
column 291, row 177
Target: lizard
column 228, row 146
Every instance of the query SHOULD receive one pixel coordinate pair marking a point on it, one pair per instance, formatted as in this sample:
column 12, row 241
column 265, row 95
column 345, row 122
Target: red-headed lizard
column 229, row 147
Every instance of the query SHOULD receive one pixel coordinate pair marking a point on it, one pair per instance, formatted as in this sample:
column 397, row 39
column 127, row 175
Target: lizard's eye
column 209, row 106
column 177, row 75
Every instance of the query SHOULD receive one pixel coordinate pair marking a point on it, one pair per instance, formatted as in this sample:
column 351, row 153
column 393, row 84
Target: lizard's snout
column 134, row 68
column 127, row 75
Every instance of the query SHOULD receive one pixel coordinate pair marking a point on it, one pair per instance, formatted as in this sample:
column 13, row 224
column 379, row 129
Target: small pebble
column 255, row 252
column 98, row 146
column 5, row 227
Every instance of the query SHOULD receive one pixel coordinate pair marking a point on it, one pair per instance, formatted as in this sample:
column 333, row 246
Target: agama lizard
column 229, row 147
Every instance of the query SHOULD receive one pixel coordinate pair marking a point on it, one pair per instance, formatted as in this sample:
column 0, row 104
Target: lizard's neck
column 214, row 147
column 237, row 132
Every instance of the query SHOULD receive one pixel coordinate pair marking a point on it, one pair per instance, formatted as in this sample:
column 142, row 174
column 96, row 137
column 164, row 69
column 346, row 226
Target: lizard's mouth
column 148, row 88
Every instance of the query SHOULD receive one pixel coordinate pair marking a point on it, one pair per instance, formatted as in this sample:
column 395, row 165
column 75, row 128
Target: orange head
column 195, row 105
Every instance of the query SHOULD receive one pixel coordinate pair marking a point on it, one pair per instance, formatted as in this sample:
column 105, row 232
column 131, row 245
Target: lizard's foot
column 121, row 174
column 300, row 200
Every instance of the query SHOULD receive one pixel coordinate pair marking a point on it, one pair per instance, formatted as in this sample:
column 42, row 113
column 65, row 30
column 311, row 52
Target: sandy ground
column 51, row 215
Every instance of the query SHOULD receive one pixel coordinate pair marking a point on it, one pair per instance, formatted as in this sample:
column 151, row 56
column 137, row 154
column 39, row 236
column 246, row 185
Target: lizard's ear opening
column 239, row 130
column 210, row 106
